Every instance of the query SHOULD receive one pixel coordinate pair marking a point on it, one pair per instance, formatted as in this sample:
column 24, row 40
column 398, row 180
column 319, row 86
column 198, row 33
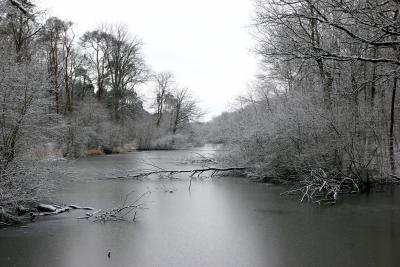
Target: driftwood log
column 46, row 209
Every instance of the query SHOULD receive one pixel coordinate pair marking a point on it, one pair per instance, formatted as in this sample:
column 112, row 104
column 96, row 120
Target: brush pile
column 319, row 187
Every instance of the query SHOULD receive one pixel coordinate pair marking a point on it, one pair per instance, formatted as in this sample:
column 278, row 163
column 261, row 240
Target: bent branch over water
column 192, row 172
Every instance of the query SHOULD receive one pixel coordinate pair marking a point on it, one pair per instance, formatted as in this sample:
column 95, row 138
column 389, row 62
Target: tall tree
column 68, row 36
column 185, row 109
column 21, row 26
column 164, row 82
column 125, row 66
column 94, row 44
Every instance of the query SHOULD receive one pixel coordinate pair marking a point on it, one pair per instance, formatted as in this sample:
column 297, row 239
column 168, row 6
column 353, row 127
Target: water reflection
column 224, row 222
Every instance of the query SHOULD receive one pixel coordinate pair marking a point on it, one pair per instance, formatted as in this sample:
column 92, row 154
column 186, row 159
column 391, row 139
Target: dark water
column 223, row 222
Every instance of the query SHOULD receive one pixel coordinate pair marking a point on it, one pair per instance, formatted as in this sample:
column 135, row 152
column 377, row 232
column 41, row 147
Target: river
column 220, row 222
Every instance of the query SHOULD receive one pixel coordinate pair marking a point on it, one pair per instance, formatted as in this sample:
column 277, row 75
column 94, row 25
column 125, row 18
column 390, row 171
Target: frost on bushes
column 27, row 180
column 25, row 123
column 300, row 135
column 90, row 127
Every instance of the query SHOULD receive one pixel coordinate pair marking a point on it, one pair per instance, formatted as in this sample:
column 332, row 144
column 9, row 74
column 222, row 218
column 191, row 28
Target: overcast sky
column 205, row 43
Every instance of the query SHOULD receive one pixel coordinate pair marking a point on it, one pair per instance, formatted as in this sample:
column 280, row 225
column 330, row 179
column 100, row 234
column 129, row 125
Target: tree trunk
column 175, row 126
column 393, row 100
column 160, row 110
column 391, row 128
column 373, row 86
column 67, row 88
column 326, row 76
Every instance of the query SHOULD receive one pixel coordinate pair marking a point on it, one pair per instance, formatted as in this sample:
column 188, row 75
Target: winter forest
column 325, row 98
column 318, row 126
column 64, row 96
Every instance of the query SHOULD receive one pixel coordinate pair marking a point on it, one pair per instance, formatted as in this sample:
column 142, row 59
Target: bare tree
column 20, row 24
column 125, row 65
column 52, row 38
column 94, row 46
column 20, row 95
column 68, row 36
column 185, row 109
column 164, row 82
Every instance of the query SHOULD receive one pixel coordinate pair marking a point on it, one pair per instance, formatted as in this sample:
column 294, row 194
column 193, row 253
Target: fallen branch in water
column 320, row 188
column 114, row 214
column 120, row 213
column 192, row 172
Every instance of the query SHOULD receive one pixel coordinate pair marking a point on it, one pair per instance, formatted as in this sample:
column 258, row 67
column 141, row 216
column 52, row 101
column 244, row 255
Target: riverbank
column 17, row 214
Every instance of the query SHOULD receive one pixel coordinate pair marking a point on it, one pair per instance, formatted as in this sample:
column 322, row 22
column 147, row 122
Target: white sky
column 205, row 43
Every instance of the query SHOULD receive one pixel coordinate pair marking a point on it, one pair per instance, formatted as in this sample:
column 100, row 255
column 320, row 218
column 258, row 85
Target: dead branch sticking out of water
column 192, row 172
column 126, row 212
column 319, row 188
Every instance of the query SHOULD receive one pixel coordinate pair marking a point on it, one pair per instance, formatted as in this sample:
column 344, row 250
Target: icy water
column 220, row 222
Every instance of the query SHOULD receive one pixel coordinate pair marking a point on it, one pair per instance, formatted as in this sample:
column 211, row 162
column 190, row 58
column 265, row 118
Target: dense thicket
column 326, row 96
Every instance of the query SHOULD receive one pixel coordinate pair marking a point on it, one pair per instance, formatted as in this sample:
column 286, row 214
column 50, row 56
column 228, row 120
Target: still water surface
column 220, row 222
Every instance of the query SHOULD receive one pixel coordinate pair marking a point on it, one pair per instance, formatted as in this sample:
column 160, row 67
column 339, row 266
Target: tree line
column 68, row 95
column 89, row 80
column 325, row 97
